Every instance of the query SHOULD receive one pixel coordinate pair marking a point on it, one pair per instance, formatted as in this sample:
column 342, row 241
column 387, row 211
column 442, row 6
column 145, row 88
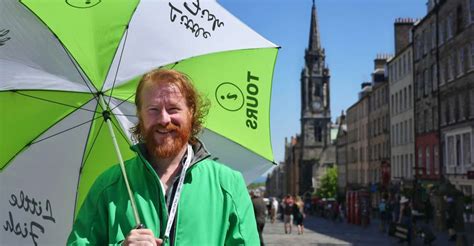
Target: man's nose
column 164, row 118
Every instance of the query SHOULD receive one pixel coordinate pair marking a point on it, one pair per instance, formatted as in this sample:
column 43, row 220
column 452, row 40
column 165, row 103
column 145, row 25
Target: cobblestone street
column 320, row 231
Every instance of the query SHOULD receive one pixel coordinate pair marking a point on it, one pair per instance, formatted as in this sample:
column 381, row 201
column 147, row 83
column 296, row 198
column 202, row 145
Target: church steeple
column 315, row 88
column 314, row 41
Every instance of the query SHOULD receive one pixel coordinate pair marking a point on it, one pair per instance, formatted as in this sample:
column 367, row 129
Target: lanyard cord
column 172, row 213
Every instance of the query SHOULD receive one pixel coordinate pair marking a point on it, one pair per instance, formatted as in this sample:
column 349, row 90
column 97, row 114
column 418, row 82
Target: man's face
column 165, row 119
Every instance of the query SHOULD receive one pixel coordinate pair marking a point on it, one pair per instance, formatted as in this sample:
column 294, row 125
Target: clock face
column 316, row 105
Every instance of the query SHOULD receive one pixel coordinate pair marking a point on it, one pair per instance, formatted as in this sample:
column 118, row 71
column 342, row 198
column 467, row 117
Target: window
column 444, row 113
column 405, row 101
column 472, row 53
column 420, row 161
column 449, row 26
column 405, row 63
column 426, row 117
column 466, row 139
column 450, row 151
column 461, row 106
column 410, row 168
column 450, row 67
column 471, row 114
column 428, row 161
column 436, row 159
column 441, row 74
column 456, row 108
column 427, row 82
column 409, row 60
column 433, row 35
column 471, row 10
column 405, row 133
column 434, row 77
column 410, row 96
column 410, row 131
column 459, row 19
column 458, row 151
column 467, row 105
column 442, row 30
column 425, row 41
column 461, row 60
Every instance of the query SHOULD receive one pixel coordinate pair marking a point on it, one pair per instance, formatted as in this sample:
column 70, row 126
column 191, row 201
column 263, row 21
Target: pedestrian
column 450, row 217
column 405, row 217
column 288, row 211
column 299, row 214
column 342, row 211
column 170, row 163
column 274, row 211
column 259, row 208
column 383, row 214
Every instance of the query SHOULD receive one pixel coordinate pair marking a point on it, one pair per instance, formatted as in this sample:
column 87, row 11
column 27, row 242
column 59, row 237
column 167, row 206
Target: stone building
column 358, row 140
column 379, row 121
column 315, row 108
column 425, row 86
column 456, row 90
column 400, row 73
column 276, row 182
column 341, row 155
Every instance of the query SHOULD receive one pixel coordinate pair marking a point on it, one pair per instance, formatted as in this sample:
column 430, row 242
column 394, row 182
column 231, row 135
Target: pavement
column 320, row 231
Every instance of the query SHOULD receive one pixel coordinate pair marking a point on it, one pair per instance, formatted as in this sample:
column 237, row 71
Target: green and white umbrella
column 67, row 65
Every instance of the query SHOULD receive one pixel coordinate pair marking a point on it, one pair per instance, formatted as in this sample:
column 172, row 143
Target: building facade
column 425, row 85
column 358, row 140
column 315, row 107
column 341, row 155
column 456, row 88
column 400, row 73
column 379, row 123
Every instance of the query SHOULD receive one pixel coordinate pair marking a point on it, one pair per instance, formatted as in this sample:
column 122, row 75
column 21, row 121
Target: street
column 319, row 231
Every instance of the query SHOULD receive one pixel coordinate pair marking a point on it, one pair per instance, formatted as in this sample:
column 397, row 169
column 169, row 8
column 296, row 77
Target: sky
column 352, row 32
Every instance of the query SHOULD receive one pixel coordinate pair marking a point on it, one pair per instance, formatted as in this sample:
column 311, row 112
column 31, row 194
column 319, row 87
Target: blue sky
column 353, row 32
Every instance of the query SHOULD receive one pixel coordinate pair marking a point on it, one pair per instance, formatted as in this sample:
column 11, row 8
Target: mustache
column 169, row 127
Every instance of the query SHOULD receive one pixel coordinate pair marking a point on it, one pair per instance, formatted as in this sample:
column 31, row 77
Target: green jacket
column 214, row 208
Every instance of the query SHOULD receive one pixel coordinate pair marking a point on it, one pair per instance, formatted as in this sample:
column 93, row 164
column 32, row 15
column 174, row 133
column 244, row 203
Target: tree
column 328, row 187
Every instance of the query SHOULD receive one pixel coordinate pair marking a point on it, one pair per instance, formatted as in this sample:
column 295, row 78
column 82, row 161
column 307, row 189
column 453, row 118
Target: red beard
column 169, row 145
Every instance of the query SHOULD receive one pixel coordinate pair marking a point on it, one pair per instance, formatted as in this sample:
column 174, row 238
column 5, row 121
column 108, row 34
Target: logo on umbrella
column 229, row 96
column 83, row 4
column 3, row 36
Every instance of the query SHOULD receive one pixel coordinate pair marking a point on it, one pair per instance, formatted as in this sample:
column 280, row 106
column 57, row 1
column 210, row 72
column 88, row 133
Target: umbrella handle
column 122, row 166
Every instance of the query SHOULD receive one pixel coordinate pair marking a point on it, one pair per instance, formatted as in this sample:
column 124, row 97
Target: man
column 288, row 211
column 274, row 209
column 259, row 208
column 214, row 207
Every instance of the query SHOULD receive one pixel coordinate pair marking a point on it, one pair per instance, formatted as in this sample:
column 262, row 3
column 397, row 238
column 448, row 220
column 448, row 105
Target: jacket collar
column 200, row 151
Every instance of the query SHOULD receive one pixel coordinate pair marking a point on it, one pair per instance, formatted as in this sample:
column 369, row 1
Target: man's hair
column 197, row 104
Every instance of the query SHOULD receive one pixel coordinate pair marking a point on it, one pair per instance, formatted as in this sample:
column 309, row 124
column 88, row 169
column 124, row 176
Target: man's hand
column 142, row 237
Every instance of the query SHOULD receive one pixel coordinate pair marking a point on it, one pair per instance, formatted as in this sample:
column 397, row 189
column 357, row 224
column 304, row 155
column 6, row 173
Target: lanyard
column 172, row 213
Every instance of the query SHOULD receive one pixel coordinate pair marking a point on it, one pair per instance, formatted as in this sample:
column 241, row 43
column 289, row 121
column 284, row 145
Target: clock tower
column 315, row 104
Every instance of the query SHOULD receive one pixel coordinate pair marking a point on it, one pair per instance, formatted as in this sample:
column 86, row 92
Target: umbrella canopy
column 60, row 59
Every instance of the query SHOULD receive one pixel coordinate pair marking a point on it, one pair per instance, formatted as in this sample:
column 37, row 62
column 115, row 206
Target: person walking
column 405, row 218
column 299, row 214
column 288, row 211
column 259, row 208
column 274, row 209
column 383, row 214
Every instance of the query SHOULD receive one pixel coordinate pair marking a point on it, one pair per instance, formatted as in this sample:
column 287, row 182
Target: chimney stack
column 403, row 28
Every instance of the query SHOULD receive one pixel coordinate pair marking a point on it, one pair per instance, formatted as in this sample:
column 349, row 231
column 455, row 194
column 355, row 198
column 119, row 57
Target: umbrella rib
column 63, row 131
column 118, row 67
column 121, row 134
column 51, row 101
column 122, row 101
column 93, row 143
